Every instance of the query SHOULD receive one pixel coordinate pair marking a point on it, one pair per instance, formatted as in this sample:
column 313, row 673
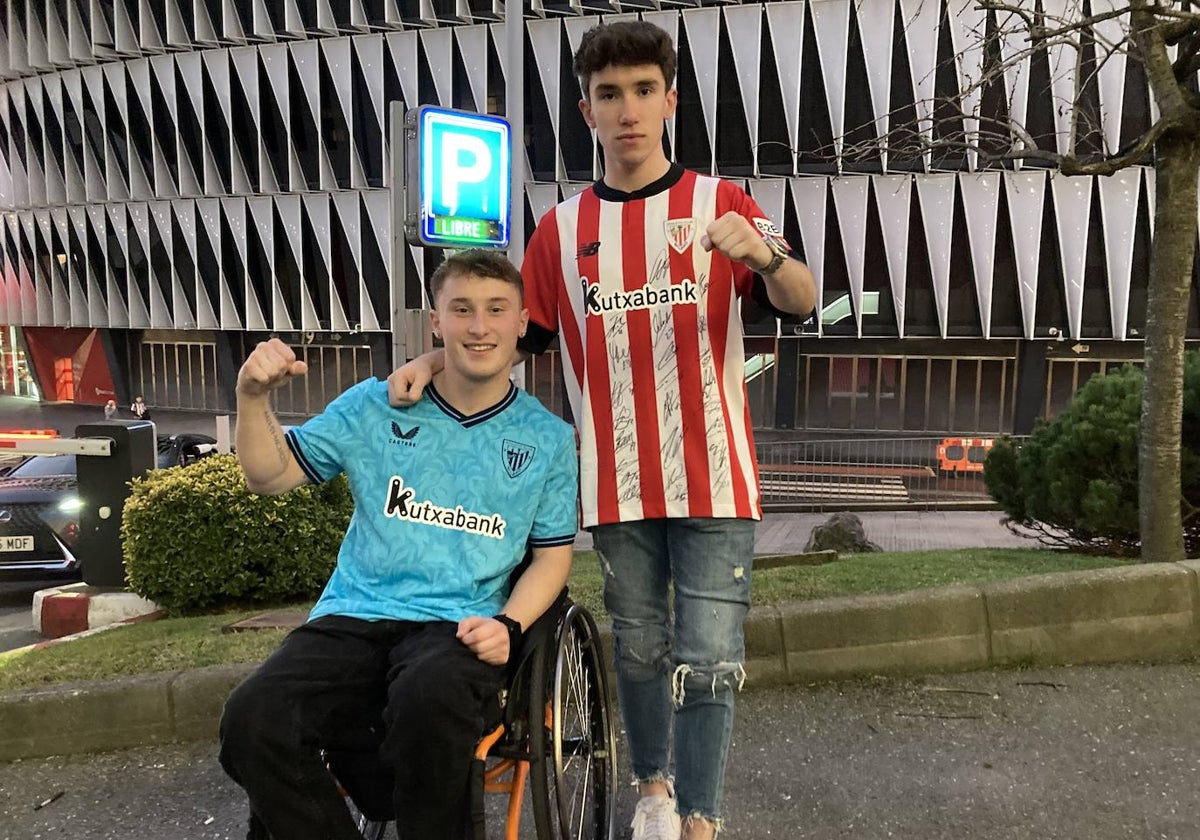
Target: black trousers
column 409, row 693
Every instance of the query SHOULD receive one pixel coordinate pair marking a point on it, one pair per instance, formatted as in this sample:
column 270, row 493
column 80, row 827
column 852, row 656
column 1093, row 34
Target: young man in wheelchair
column 408, row 643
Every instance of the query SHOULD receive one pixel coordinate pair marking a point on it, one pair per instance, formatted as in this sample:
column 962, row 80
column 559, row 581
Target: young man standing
column 639, row 277
column 411, row 634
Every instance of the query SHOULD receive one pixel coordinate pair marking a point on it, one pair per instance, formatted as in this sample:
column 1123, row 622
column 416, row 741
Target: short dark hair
column 476, row 262
column 626, row 43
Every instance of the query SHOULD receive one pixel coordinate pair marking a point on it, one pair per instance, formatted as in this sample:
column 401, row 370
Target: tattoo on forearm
column 277, row 438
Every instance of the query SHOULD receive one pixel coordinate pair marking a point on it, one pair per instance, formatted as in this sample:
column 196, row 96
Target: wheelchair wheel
column 574, row 792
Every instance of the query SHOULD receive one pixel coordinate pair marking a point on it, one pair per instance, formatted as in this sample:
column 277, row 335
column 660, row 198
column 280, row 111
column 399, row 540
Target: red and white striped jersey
column 652, row 342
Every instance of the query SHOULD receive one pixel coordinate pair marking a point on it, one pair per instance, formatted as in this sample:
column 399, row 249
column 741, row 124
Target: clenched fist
column 270, row 365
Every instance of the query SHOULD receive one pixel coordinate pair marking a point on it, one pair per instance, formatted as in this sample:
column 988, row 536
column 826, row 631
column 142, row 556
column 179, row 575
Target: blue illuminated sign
column 463, row 174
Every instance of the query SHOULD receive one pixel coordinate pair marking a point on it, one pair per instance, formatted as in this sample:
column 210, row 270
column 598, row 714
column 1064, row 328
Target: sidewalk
column 17, row 412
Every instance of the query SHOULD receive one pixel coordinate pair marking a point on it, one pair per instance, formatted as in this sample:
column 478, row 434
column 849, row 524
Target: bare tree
column 1079, row 39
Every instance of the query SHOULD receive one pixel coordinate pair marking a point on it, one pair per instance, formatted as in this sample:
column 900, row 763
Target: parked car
column 40, row 504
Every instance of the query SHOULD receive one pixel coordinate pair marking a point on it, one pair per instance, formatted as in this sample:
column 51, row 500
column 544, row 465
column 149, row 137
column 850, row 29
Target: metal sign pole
column 399, row 323
column 514, row 99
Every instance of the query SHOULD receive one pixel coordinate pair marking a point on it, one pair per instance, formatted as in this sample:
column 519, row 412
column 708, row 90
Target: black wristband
column 515, row 633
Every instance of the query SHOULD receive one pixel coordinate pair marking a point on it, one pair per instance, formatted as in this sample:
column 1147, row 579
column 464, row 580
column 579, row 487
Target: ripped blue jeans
column 691, row 670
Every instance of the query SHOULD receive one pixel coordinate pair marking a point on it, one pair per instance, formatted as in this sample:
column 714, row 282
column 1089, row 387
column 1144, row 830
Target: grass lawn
column 182, row 643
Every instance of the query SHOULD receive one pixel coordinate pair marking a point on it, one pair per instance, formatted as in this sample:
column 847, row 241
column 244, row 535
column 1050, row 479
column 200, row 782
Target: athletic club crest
column 680, row 233
column 517, row 457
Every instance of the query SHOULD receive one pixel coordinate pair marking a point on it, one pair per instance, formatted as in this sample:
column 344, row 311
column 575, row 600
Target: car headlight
column 70, row 505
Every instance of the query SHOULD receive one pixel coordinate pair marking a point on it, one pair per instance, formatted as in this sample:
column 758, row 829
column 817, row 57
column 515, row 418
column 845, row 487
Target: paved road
column 1068, row 753
column 16, row 620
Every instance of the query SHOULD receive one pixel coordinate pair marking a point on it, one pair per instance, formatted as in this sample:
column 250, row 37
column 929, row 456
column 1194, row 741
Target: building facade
column 181, row 179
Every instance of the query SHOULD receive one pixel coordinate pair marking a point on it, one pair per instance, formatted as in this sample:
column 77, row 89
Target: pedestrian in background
column 139, row 408
column 110, row 409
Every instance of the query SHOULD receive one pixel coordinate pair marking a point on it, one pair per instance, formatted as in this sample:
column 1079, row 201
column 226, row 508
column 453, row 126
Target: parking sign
column 458, row 179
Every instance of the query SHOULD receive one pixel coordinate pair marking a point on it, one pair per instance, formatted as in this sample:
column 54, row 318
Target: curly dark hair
column 624, row 44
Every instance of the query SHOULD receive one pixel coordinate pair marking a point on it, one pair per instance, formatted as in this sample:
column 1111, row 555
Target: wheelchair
column 553, row 736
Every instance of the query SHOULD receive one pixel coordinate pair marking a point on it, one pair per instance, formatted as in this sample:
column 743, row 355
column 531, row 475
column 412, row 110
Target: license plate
column 16, row 543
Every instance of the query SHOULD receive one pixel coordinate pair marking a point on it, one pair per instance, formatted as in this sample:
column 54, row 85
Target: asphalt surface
column 1079, row 753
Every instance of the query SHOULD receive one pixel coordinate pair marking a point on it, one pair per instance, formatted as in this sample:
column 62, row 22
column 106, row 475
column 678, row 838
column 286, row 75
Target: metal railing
column 873, row 474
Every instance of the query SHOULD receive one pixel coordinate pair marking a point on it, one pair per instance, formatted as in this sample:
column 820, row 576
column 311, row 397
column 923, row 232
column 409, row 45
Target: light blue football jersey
column 444, row 503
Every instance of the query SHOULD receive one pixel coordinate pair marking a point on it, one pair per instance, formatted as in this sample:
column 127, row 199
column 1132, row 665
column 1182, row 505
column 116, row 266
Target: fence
column 874, row 473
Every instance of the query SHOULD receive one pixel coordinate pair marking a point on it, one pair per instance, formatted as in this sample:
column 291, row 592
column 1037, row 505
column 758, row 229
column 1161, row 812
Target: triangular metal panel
column 35, row 43
column 809, row 197
column 744, row 24
column 439, row 52
column 76, row 178
column 262, row 215
column 1064, row 70
column 893, row 196
column 125, row 37
column 369, row 49
column 316, row 207
column 287, row 207
column 163, row 288
column 771, row 195
column 704, row 32
column 165, row 184
column 190, row 68
column 378, row 207
column 542, row 197
column 473, row 46
column 233, row 211
column 1119, row 199
column 78, row 279
column 1111, row 56
column 1151, row 195
column 152, row 312
column 786, row 24
column 79, row 38
column 546, row 38
column 263, row 27
column 921, row 21
column 231, row 23
column 60, row 271
column 575, row 28
column 1025, row 193
column 981, row 197
column 121, row 315
column 43, row 278
column 968, row 31
column 831, row 23
column 149, row 37
column 570, row 189
column 850, row 203
column 307, row 60
column 177, row 34
column 37, row 300
column 54, row 172
column 876, row 19
column 185, row 218
column 403, row 46
column 206, row 27
column 34, row 154
column 216, row 65
column 347, row 207
column 1073, row 213
column 936, row 194
column 58, row 48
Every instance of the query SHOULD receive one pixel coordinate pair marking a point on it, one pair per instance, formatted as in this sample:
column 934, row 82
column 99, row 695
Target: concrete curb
column 1141, row 613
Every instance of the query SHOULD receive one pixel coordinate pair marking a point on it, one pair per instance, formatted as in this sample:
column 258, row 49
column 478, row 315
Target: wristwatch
column 779, row 254
column 515, row 633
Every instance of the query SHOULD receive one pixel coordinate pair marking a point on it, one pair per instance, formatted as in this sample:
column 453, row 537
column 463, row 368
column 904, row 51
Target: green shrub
column 1074, row 482
column 195, row 538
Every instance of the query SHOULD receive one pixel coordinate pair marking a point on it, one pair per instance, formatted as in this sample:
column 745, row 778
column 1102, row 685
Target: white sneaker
column 655, row 818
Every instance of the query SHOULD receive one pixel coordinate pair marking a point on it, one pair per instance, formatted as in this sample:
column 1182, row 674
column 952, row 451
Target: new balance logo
column 403, row 437
column 588, row 250
column 646, row 297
